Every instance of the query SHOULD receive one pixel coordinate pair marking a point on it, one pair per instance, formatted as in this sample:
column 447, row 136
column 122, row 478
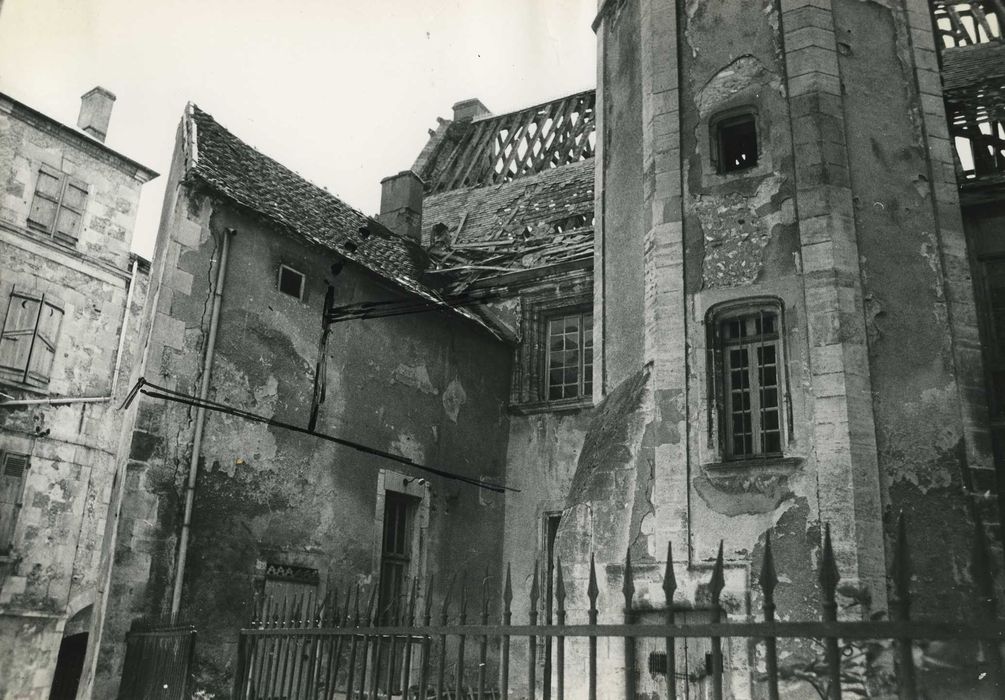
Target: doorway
column 69, row 666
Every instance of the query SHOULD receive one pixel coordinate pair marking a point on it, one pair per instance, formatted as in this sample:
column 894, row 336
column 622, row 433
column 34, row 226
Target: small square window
column 291, row 282
column 736, row 141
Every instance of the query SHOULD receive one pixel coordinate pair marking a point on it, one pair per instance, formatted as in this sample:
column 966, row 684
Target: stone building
column 749, row 285
column 70, row 299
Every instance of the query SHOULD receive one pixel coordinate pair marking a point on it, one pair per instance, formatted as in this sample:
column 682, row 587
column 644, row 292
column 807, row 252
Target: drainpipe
column 115, row 372
column 200, row 421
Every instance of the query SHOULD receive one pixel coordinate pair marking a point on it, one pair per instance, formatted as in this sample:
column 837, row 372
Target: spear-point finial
column 355, row 617
column 669, row 579
column 769, row 578
column 902, row 568
column 628, row 586
column 444, row 611
column 427, row 604
column 507, row 589
column 485, row 597
column 464, row 596
column 370, row 607
column 829, row 574
column 592, row 591
column 718, row 580
column 559, row 584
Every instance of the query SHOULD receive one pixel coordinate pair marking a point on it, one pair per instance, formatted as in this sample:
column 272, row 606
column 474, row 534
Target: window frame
column 550, row 317
column 60, row 202
column 279, row 281
column 721, row 429
column 733, row 117
column 26, row 376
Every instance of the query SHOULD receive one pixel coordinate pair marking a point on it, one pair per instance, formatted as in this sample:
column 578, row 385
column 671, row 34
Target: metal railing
column 158, row 662
column 319, row 648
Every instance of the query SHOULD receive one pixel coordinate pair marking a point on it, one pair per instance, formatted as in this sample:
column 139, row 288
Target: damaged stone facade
column 429, row 387
column 60, row 420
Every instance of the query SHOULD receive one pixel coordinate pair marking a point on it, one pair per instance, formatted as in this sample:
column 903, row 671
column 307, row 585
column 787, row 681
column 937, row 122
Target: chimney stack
column 468, row 110
column 96, row 112
column 401, row 204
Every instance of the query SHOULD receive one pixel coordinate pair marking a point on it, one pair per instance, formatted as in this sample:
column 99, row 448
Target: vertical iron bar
column 462, row 620
column 591, row 592
column 427, row 616
column 338, row 644
column 306, row 620
column 261, row 677
column 983, row 577
column 406, row 661
column 375, row 649
column 443, row 641
column 532, row 640
column 628, row 590
column 276, row 647
column 669, row 588
column 769, row 580
column 353, row 644
column 507, row 618
column 906, row 686
column 483, row 650
column 396, row 612
column 560, row 641
column 242, row 662
column 715, row 585
column 829, row 577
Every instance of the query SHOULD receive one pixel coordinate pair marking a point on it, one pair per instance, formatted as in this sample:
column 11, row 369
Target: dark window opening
column 737, row 143
column 291, row 282
column 13, row 470
column 396, row 552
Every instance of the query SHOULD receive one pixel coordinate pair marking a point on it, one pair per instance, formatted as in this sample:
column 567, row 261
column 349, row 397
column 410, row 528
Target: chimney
column 467, row 110
column 96, row 112
column 401, row 204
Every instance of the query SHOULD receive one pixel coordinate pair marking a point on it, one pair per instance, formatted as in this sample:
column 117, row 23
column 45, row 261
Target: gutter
column 200, row 423
column 115, row 371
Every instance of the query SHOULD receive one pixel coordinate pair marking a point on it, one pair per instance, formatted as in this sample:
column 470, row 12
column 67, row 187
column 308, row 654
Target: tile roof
column 252, row 179
column 963, row 67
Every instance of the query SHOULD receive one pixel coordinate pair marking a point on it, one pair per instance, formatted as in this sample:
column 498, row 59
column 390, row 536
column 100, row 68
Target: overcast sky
column 341, row 91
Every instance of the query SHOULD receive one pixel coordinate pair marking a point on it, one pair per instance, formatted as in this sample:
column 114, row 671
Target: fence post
column 829, row 577
column 591, row 592
column 406, row 660
column 532, row 640
column 560, row 642
column 427, row 616
column 353, row 645
column 902, row 612
column 462, row 620
column 715, row 585
column 239, row 670
column 769, row 579
column 397, row 613
column 371, row 616
column 628, row 590
column 444, row 611
column 983, row 577
column 669, row 588
column 507, row 618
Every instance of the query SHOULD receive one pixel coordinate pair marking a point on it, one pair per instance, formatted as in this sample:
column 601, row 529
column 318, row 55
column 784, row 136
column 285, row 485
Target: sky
column 341, row 91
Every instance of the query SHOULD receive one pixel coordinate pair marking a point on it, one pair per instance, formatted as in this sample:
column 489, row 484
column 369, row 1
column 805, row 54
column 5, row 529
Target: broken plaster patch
column 453, row 398
column 415, row 376
column 408, row 446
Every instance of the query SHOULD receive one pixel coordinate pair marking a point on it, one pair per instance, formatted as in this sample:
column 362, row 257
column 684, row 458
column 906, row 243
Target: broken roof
column 237, row 170
column 510, row 193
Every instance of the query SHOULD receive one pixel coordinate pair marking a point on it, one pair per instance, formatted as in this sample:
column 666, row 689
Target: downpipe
column 200, row 422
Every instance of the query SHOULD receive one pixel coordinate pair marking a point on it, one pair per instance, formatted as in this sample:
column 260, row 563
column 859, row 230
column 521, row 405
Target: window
column 285, row 582
column 13, row 469
column 749, row 372
column 291, row 282
column 396, row 551
column 569, row 371
column 58, row 205
column 28, row 339
column 735, row 144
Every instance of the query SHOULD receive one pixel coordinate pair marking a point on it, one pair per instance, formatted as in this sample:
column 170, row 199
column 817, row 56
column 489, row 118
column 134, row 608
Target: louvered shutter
column 12, row 474
column 18, row 331
column 45, row 204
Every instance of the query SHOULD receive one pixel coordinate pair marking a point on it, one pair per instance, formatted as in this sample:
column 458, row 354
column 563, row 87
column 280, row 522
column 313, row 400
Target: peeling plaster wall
column 52, row 572
column 430, row 387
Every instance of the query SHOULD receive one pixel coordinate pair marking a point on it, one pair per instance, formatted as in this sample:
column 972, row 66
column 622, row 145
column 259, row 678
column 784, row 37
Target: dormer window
column 735, row 142
column 291, row 282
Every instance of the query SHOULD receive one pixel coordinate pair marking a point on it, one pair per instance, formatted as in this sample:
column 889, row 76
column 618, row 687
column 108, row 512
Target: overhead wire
column 147, row 388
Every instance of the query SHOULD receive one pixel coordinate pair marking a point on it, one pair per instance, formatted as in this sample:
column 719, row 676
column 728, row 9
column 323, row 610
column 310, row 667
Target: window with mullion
column 396, row 551
column 569, row 372
column 58, row 205
column 751, row 384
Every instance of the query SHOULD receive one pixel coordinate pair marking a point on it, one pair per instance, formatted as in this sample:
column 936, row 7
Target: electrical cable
column 155, row 391
column 381, row 309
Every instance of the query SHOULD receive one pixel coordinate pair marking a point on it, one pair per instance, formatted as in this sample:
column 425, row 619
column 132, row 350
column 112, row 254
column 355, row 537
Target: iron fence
column 321, row 647
column 157, row 663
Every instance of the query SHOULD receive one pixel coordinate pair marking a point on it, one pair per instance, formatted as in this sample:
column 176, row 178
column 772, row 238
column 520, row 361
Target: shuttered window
column 13, row 470
column 28, row 340
column 58, row 205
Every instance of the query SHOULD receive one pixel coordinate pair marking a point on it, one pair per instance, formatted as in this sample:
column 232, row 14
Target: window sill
column 780, row 466
column 563, row 406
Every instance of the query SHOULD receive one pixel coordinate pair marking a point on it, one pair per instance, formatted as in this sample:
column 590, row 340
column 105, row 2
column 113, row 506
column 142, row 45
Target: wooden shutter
column 13, row 468
column 43, row 350
column 71, row 209
column 18, row 332
column 45, row 204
